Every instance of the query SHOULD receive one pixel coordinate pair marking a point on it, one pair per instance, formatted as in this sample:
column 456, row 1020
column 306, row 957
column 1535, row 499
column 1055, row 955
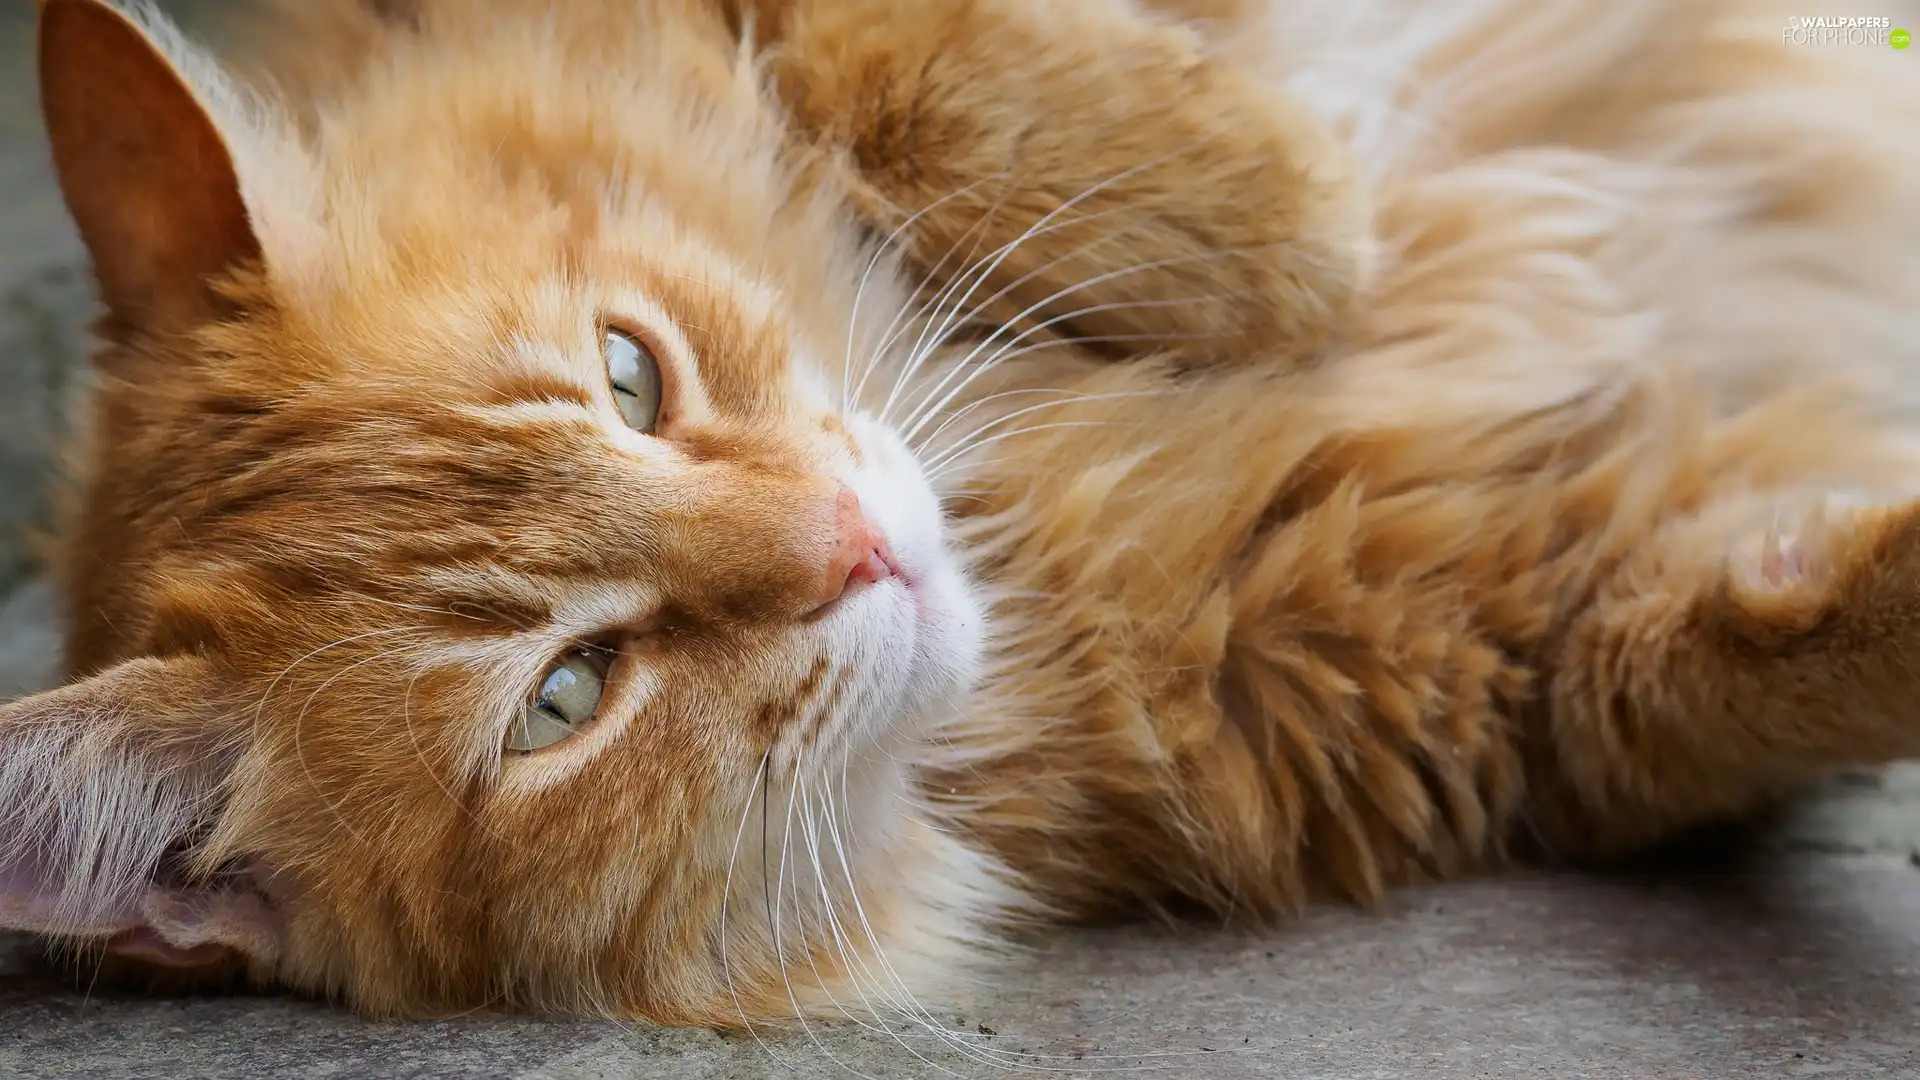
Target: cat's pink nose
column 860, row 555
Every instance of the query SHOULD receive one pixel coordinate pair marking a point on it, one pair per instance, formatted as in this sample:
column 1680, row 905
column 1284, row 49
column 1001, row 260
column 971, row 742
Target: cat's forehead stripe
column 532, row 383
column 535, row 413
column 738, row 351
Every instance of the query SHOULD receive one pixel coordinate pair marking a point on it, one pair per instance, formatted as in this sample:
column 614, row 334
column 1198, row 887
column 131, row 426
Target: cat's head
column 481, row 591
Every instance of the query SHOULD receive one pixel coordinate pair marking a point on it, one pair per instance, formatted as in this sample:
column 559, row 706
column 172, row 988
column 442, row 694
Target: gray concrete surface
column 1797, row 968
column 1801, row 961
column 43, row 299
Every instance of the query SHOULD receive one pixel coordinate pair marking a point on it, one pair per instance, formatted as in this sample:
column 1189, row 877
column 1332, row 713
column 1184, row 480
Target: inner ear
column 108, row 786
column 145, row 171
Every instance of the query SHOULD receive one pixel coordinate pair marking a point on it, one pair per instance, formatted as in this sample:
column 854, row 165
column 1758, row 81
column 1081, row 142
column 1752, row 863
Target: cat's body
column 1424, row 462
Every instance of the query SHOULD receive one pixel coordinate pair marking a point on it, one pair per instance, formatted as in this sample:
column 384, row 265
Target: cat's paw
column 1821, row 556
column 1789, row 555
column 1086, row 173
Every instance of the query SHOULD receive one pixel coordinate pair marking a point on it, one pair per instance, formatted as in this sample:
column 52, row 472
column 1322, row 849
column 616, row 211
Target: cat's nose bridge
column 770, row 547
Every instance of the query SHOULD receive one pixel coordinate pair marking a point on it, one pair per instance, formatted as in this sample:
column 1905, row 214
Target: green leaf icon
column 1899, row 39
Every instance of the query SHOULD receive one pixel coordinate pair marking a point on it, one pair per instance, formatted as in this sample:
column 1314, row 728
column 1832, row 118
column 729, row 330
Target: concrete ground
column 1801, row 960
column 1801, row 967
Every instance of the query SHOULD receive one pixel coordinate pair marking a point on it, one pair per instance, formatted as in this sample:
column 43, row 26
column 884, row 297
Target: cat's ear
column 108, row 786
column 146, row 171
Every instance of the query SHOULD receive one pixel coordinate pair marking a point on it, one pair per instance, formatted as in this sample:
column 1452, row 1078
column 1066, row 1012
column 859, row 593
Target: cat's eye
column 635, row 374
column 568, row 697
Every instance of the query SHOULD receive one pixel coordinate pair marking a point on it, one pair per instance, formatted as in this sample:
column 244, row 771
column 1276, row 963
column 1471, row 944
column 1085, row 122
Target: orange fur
column 1371, row 465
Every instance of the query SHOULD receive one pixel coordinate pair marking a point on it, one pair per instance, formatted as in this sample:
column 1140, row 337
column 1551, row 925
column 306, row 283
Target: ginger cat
column 709, row 510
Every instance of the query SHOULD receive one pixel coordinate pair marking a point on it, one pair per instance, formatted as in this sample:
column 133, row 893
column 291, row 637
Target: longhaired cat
column 704, row 510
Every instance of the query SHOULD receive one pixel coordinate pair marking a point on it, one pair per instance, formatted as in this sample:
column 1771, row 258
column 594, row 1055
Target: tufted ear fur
column 146, row 172
column 107, row 786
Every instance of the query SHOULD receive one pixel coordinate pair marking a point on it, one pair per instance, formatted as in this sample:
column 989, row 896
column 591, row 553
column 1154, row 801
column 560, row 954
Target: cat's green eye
column 635, row 374
column 568, row 697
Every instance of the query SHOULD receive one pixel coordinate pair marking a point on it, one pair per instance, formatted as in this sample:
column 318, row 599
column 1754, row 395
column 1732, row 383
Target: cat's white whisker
column 756, row 791
column 1041, row 226
column 426, row 766
column 861, row 975
column 951, row 457
column 936, row 331
column 966, row 439
column 853, row 966
column 780, row 950
column 1065, row 397
column 965, row 364
column 1047, row 223
column 299, row 752
column 976, row 1047
column 940, row 394
column 972, row 371
column 848, row 398
column 900, row 996
column 932, row 410
column 923, row 315
column 923, row 318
